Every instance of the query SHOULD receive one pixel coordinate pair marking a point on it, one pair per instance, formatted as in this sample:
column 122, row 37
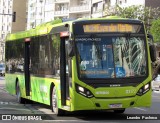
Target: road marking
column 20, row 109
column 156, row 92
column 140, row 109
column 155, row 96
column 8, row 103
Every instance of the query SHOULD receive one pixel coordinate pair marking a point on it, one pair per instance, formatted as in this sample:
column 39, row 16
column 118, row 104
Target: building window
column 62, row 7
column 97, row 6
column 120, row 2
column 49, row 1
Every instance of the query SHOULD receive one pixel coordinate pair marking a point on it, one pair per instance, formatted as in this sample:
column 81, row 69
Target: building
column 20, row 10
column 9, row 24
column 98, row 6
column 40, row 11
column 152, row 3
column 5, row 23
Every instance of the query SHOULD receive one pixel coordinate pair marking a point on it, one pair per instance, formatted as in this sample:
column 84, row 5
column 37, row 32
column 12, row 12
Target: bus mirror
column 152, row 52
column 150, row 37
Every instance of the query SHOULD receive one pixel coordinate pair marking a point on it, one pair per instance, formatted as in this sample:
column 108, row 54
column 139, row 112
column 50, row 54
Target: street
column 8, row 105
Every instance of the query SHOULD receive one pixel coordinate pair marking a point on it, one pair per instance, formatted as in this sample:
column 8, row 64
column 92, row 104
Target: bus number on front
column 130, row 91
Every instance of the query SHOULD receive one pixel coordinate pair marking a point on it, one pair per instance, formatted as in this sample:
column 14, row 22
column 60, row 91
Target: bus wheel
column 54, row 104
column 119, row 111
column 18, row 94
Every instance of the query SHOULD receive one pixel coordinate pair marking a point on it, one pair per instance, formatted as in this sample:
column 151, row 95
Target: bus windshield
column 111, row 56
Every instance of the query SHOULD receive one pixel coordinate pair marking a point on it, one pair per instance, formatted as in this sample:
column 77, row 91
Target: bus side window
column 55, row 46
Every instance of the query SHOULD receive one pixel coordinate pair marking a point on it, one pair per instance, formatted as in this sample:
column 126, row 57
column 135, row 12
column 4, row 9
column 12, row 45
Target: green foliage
column 129, row 12
column 146, row 14
column 155, row 30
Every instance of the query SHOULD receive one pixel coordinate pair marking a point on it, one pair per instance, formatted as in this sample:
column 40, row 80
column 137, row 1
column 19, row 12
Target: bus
column 83, row 64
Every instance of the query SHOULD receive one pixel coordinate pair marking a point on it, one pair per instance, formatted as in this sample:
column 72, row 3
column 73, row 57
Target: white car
column 2, row 69
column 156, row 83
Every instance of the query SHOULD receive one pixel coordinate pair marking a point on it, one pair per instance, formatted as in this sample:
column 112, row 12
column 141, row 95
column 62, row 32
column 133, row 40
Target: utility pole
column 91, row 9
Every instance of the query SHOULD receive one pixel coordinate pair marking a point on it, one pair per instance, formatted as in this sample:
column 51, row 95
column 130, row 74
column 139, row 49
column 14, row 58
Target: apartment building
column 40, row 11
column 147, row 3
column 5, row 23
column 99, row 5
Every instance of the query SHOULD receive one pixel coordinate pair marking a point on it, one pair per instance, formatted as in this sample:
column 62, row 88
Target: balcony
column 80, row 9
column 61, row 13
column 97, row 14
column 49, row 7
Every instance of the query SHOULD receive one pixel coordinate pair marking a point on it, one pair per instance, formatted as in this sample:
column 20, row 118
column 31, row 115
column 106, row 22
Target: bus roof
column 45, row 28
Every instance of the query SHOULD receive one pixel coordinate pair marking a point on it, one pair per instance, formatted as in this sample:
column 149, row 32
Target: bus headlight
column 84, row 91
column 143, row 89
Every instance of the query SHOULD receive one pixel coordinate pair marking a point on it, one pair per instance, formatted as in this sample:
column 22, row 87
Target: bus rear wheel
column 54, row 104
column 119, row 111
column 18, row 95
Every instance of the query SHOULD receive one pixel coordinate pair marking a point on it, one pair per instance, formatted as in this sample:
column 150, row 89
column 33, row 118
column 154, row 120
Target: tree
column 146, row 14
column 155, row 30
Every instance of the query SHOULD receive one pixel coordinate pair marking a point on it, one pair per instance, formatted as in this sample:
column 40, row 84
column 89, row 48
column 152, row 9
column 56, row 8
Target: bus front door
column 65, row 73
column 26, row 66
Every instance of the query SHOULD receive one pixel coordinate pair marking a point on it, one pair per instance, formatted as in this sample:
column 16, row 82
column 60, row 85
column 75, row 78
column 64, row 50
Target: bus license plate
column 115, row 105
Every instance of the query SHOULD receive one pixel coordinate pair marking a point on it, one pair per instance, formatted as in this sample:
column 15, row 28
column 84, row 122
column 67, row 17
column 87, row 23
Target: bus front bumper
column 82, row 103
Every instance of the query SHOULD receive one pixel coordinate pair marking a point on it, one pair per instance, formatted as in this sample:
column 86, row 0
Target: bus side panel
column 41, row 89
column 10, row 81
column 21, row 82
column 11, row 84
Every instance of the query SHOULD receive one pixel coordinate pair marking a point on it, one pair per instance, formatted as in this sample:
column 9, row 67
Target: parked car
column 2, row 69
column 156, row 83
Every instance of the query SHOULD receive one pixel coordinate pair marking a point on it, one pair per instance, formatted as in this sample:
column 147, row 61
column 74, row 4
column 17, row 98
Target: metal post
column 91, row 10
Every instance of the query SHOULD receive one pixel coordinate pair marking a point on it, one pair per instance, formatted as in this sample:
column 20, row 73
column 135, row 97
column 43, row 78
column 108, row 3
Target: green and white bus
column 85, row 64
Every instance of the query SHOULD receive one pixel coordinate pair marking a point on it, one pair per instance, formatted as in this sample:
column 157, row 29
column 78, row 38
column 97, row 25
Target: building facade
column 20, row 10
column 40, row 11
column 5, row 23
column 98, row 6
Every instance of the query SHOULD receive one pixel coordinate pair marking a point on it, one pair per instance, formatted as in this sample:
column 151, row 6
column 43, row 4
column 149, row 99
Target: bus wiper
column 122, row 55
column 127, row 35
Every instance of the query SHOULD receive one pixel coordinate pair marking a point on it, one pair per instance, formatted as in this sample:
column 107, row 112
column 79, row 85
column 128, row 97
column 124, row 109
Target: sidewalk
column 9, row 104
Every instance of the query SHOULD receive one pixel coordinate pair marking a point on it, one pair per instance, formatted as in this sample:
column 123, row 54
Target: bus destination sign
column 113, row 27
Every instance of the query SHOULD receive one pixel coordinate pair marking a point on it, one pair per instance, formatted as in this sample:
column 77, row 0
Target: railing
column 61, row 12
column 79, row 8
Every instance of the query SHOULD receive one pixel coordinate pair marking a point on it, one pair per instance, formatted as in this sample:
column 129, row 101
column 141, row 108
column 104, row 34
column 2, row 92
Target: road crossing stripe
column 140, row 109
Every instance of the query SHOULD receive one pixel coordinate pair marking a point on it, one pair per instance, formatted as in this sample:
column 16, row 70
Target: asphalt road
column 8, row 105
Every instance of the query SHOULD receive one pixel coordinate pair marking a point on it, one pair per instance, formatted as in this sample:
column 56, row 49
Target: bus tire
column 54, row 104
column 119, row 111
column 18, row 95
